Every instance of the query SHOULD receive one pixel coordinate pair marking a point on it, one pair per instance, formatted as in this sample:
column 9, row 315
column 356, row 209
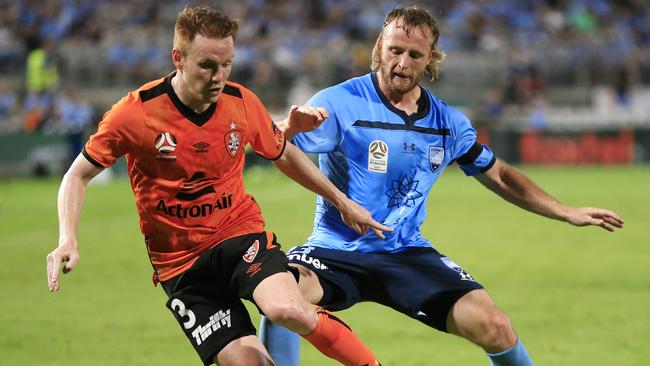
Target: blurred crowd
column 286, row 49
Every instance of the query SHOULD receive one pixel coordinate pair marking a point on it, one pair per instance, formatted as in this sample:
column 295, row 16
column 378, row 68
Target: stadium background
column 560, row 86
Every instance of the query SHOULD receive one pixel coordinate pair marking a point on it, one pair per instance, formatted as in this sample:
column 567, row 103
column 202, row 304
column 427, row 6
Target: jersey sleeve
column 472, row 157
column 266, row 138
column 325, row 138
column 116, row 134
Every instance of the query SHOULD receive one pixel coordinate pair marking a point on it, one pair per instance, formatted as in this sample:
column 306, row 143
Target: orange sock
column 335, row 339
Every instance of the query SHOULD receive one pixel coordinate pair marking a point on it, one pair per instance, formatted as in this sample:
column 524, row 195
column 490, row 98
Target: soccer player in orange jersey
column 183, row 137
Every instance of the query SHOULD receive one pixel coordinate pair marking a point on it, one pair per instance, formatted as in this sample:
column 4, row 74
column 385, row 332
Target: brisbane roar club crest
column 165, row 143
column 232, row 139
column 436, row 157
column 251, row 253
column 378, row 157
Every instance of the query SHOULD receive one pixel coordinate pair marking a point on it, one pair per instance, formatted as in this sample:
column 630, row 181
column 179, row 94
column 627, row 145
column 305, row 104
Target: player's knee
column 243, row 352
column 245, row 358
column 499, row 334
column 289, row 315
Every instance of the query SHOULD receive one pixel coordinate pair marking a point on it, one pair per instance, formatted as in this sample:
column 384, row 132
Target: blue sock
column 515, row 356
column 283, row 345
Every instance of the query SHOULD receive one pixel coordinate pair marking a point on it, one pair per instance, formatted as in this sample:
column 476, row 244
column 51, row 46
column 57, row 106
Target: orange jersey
column 186, row 168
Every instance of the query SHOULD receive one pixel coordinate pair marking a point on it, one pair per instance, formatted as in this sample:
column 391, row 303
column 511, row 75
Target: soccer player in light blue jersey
column 384, row 141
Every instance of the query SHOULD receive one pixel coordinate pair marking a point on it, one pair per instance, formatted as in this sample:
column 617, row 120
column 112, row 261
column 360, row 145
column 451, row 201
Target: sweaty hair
column 412, row 18
column 204, row 21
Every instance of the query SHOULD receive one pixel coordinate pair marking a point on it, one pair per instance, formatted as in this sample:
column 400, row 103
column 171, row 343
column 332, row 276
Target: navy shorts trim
column 418, row 282
column 205, row 299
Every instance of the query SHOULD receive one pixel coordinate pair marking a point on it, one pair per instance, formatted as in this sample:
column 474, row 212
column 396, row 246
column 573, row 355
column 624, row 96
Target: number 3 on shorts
column 179, row 307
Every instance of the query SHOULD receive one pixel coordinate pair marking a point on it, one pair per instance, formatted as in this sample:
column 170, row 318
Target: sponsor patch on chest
column 378, row 157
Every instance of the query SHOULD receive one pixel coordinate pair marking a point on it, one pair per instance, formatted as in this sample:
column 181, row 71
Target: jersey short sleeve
column 116, row 134
column 325, row 138
column 266, row 138
column 472, row 157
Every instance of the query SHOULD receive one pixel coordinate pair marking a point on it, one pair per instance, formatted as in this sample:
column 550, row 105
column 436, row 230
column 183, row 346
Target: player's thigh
column 247, row 351
column 421, row 283
column 325, row 278
column 469, row 311
column 308, row 283
column 280, row 299
column 476, row 317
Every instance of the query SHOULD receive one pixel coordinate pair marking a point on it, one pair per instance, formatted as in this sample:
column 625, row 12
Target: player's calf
column 336, row 340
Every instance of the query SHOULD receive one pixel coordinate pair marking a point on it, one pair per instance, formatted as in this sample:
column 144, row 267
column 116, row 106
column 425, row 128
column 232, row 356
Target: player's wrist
column 341, row 202
column 67, row 242
column 563, row 213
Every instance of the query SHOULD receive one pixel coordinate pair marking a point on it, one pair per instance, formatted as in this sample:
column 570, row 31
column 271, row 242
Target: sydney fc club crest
column 233, row 142
column 436, row 157
column 378, row 156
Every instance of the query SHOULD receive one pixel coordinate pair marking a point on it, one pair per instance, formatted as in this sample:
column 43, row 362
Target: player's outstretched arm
column 69, row 203
column 302, row 118
column 515, row 187
column 297, row 166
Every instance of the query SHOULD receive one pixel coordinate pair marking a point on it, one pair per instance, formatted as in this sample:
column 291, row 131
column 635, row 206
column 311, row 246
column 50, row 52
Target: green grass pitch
column 576, row 296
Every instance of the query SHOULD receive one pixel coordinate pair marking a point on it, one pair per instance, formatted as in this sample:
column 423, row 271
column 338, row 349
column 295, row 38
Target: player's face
column 205, row 68
column 404, row 57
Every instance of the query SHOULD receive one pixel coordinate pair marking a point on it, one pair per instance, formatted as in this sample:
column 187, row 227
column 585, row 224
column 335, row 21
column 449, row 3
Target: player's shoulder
column 350, row 88
column 132, row 103
column 149, row 91
column 452, row 116
column 236, row 94
column 236, row 90
column 356, row 86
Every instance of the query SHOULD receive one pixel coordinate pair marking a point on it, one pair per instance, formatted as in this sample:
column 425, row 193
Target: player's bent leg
column 282, row 344
column 247, row 351
column 475, row 317
column 308, row 283
column 279, row 299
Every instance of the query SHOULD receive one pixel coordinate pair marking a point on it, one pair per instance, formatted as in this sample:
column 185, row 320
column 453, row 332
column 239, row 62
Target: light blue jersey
column 386, row 161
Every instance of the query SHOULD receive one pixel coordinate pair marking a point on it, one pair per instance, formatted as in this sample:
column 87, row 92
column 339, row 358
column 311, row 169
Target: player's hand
column 584, row 216
column 305, row 118
column 360, row 220
column 66, row 253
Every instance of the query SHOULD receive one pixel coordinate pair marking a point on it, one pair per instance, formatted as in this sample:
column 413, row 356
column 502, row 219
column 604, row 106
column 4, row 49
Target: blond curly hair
column 412, row 18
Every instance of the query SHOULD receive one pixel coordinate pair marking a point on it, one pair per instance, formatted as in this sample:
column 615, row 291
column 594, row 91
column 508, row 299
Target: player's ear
column 433, row 55
column 177, row 58
column 380, row 41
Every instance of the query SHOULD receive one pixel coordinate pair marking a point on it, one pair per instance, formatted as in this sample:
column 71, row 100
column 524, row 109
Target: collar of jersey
column 424, row 104
column 198, row 119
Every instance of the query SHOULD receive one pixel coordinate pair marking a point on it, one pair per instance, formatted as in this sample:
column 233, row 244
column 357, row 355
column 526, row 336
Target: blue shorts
column 418, row 282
